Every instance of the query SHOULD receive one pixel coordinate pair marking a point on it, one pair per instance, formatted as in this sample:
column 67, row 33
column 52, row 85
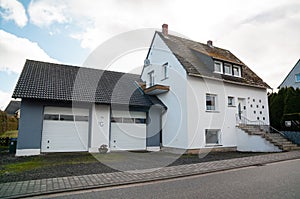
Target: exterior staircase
column 276, row 138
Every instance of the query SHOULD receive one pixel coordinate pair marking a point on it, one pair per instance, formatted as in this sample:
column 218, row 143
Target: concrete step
column 274, row 138
column 278, row 140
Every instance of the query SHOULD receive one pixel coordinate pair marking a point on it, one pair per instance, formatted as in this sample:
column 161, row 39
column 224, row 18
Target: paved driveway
column 138, row 160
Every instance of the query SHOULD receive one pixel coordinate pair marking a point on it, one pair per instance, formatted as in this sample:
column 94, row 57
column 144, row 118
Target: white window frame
column 230, row 69
column 296, row 79
column 215, row 131
column 165, row 71
column 151, row 78
column 221, row 67
column 213, row 107
column 233, row 101
column 239, row 71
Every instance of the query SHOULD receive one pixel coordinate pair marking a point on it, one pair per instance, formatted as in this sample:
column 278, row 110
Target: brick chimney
column 165, row 29
column 210, row 43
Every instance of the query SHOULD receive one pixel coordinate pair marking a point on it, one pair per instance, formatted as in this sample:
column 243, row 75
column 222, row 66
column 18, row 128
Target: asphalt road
column 278, row 180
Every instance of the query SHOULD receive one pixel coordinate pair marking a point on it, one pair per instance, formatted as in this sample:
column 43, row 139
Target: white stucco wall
column 100, row 127
column 253, row 143
column 224, row 118
column 186, row 119
column 174, row 120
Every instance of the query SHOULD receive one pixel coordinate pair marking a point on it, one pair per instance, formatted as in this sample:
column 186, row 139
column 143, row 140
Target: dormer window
column 227, row 69
column 236, row 71
column 218, row 67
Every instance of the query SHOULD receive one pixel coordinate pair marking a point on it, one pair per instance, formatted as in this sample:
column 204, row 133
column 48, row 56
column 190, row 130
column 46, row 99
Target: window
column 218, row 67
column 140, row 121
column 165, row 71
column 212, row 136
column 237, row 71
column 151, row 78
column 297, row 77
column 66, row 118
column 128, row 120
column 231, row 101
column 51, row 117
column 228, row 69
column 116, row 120
column 211, row 101
column 81, row 118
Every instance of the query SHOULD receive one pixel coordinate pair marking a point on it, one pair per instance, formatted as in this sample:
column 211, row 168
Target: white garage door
column 65, row 129
column 128, row 130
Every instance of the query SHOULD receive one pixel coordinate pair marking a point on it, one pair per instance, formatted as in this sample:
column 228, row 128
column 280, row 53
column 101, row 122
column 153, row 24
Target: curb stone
column 92, row 181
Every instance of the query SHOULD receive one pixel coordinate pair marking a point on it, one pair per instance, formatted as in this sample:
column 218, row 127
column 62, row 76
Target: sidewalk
column 72, row 183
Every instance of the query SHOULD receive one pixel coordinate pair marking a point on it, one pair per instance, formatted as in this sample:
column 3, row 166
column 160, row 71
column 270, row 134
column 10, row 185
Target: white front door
column 128, row 130
column 65, row 129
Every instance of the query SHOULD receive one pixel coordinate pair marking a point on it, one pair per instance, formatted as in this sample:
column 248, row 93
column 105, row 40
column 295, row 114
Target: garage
column 65, row 129
column 128, row 130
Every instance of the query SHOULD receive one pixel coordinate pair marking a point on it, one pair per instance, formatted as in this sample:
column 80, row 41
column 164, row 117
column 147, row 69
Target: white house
column 208, row 92
column 190, row 96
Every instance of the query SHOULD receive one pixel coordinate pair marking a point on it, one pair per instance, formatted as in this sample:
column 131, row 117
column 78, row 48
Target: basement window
column 212, row 136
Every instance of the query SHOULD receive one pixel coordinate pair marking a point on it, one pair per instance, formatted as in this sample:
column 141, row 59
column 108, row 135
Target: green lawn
column 17, row 165
column 10, row 134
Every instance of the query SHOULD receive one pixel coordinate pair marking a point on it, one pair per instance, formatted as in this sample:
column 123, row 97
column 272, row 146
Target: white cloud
column 47, row 12
column 263, row 34
column 268, row 42
column 13, row 10
column 15, row 50
column 4, row 99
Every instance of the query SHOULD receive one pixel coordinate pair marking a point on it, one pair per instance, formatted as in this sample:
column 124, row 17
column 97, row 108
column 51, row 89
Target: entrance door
column 241, row 109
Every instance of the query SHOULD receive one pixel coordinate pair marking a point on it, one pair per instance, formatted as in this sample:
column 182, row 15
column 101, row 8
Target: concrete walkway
column 72, row 183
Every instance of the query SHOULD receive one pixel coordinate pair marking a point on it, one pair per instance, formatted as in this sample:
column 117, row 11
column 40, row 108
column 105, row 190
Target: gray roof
column 12, row 107
column 289, row 80
column 198, row 59
column 49, row 81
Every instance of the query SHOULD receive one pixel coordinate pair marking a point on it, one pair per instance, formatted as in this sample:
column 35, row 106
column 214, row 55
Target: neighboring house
column 13, row 108
column 67, row 108
column 293, row 78
column 207, row 91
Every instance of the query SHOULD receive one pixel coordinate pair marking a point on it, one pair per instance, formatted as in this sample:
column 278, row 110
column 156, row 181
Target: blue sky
column 263, row 34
